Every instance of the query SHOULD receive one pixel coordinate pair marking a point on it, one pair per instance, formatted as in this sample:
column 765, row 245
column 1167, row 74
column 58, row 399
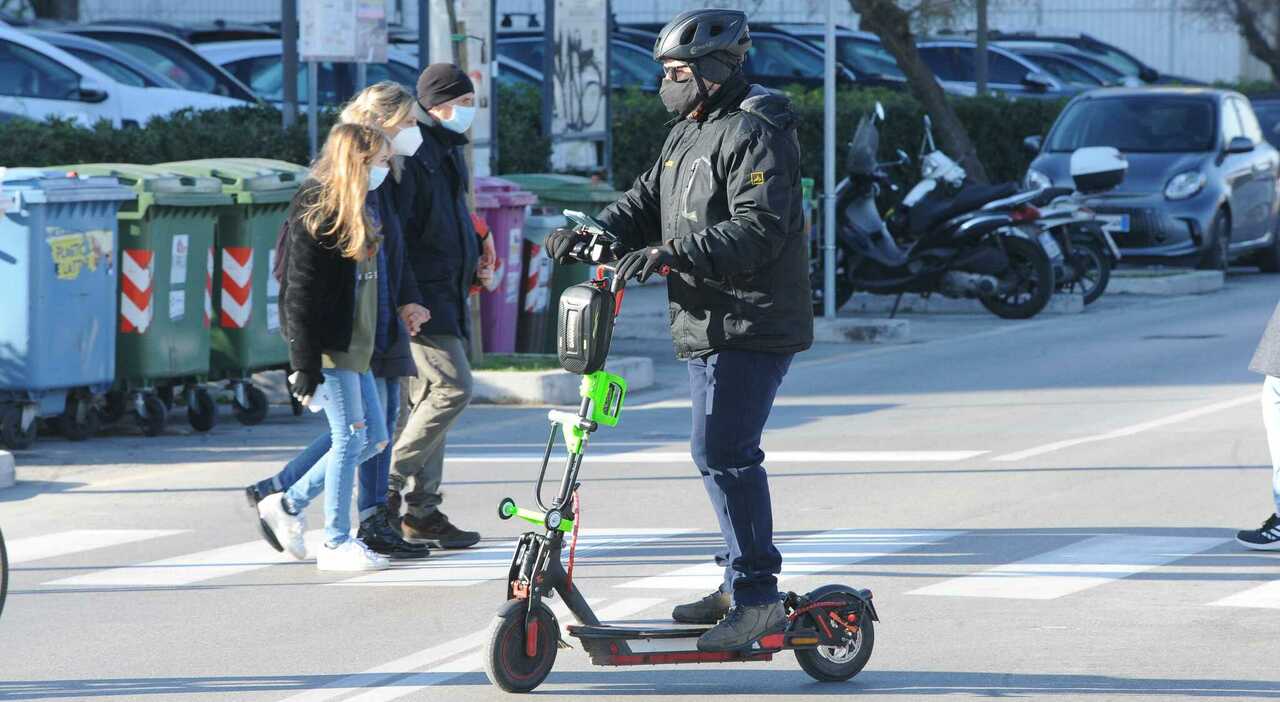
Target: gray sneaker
column 707, row 610
column 743, row 625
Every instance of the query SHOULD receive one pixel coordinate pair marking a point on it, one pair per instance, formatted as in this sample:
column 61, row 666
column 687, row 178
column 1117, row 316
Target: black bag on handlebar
column 585, row 328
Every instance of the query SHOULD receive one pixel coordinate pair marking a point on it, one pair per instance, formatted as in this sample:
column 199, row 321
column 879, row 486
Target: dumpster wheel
column 202, row 413
column 81, row 419
column 152, row 423
column 257, row 409
column 11, row 433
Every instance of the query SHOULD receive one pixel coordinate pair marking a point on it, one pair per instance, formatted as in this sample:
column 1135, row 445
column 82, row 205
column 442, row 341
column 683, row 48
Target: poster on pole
column 580, row 115
column 475, row 24
column 348, row 31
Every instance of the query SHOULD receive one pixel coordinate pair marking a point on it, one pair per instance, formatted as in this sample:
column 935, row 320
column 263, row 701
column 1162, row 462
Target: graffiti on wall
column 579, row 80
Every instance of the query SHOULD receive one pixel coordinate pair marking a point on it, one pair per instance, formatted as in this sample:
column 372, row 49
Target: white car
column 38, row 80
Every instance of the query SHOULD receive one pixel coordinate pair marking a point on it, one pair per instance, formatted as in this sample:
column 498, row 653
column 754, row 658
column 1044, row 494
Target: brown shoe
column 436, row 530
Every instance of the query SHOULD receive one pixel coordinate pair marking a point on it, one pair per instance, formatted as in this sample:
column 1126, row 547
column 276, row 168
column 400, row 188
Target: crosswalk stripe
column 1265, row 596
column 771, row 457
column 472, row 567
column 64, row 543
column 814, row 553
column 1080, row 566
column 191, row 568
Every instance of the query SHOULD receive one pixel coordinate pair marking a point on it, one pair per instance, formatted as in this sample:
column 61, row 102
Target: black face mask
column 680, row 97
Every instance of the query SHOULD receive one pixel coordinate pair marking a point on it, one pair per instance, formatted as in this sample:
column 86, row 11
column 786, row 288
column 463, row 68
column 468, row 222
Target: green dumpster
column 245, row 331
column 165, row 253
column 556, row 193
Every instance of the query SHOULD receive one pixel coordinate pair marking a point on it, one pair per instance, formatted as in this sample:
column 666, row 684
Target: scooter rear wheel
column 837, row 664
column 508, row 663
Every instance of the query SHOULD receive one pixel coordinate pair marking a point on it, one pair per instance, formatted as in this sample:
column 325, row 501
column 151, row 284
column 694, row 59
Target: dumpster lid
column 237, row 175
column 564, row 187
column 38, row 185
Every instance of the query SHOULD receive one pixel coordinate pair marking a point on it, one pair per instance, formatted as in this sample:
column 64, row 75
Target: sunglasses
column 677, row 74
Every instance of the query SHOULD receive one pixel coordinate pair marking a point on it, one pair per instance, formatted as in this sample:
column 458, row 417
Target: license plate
column 1114, row 223
column 1049, row 245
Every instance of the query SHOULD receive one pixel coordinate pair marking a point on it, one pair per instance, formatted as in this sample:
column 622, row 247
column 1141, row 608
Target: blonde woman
column 330, row 315
column 386, row 106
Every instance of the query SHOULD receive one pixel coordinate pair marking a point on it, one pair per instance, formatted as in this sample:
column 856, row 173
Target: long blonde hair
column 336, row 207
column 384, row 105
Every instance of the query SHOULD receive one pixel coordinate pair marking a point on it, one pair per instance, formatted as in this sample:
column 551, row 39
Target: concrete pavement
column 1044, row 510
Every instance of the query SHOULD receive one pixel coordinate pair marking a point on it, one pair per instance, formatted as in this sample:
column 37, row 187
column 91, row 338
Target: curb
column 8, row 470
column 1139, row 282
column 938, row 304
column 552, row 387
column 857, row 329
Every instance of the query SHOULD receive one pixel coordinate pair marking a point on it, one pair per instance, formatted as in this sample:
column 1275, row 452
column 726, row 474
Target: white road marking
column 1080, row 566
column 1265, row 596
column 64, row 543
column 472, row 567
column 771, row 457
column 1130, row 430
column 191, row 568
column 805, row 555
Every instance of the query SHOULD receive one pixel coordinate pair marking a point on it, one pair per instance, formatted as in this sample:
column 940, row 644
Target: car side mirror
column 90, row 91
column 1032, row 144
column 1240, row 145
column 1148, row 74
column 1038, row 82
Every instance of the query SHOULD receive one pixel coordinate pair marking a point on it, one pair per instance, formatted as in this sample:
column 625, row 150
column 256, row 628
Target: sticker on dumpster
column 178, row 262
column 237, row 286
column 135, row 290
column 537, row 293
column 273, row 316
column 208, row 287
column 73, row 252
column 515, row 252
column 273, row 286
column 177, row 303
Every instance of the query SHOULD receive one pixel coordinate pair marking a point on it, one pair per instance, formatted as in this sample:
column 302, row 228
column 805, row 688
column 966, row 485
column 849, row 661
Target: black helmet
column 697, row 33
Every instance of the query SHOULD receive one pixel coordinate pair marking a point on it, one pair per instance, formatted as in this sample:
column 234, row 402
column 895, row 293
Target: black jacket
column 439, row 237
column 725, row 192
column 395, row 361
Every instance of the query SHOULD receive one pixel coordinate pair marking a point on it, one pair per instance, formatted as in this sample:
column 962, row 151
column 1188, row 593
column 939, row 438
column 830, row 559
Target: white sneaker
column 287, row 528
column 350, row 555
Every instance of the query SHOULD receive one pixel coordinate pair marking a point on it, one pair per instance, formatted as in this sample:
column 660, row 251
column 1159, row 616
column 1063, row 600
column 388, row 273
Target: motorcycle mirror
column 903, row 158
column 879, row 111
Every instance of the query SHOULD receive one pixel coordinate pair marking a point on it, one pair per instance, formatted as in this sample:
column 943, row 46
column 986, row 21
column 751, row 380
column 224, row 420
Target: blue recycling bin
column 57, row 313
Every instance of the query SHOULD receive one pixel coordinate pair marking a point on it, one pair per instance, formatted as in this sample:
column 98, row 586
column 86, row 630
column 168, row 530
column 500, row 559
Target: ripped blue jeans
column 357, row 432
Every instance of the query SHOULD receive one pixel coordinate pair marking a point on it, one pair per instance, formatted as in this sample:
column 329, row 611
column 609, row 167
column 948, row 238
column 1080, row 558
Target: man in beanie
column 444, row 251
column 721, row 208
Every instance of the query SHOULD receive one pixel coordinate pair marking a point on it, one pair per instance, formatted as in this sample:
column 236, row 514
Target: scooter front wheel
column 508, row 662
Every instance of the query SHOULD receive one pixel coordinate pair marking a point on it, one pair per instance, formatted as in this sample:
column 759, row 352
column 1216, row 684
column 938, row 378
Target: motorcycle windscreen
column 864, row 147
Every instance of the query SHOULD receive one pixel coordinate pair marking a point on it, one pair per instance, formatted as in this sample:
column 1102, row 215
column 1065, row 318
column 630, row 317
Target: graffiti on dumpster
column 73, row 252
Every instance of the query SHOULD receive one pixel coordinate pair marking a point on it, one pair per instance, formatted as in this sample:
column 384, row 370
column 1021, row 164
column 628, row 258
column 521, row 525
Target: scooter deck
column 621, row 645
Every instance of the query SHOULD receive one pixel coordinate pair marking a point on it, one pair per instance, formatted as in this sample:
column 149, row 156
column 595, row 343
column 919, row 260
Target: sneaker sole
column 443, row 545
column 692, row 620
column 269, row 535
column 1273, row 546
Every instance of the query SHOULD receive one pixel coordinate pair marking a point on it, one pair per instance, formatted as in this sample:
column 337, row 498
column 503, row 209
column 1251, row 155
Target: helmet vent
column 716, row 29
column 687, row 35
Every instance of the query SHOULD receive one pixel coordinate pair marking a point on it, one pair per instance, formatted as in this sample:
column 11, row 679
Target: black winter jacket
column 725, row 192
column 439, row 238
column 395, row 361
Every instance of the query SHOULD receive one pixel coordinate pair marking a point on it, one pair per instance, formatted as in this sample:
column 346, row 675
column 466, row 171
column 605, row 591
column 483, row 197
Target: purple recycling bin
column 502, row 205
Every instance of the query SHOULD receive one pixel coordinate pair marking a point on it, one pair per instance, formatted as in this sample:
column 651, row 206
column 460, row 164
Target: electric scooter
column 831, row 629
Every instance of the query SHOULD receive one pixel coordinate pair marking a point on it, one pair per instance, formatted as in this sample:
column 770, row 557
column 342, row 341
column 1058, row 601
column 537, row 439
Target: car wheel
column 1217, row 256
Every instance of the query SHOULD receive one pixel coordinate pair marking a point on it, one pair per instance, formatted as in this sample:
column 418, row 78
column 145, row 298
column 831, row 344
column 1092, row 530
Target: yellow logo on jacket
column 757, row 177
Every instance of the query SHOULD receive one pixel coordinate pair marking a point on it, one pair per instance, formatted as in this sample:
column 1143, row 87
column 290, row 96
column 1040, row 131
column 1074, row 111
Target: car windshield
column 1064, row 70
column 118, row 71
column 1137, row 124
column 170, row 60
column 1112, row 57
column 868, row 58
column 775, row 56
column 1269, row 117
column 631, row 67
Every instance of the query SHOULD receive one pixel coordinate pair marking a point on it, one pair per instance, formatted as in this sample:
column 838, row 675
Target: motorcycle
column 957, row 249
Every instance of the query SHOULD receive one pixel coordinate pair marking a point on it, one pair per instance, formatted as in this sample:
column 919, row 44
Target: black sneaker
column 707, row 610
column 378, row 535
column 1266, row 538
column 436, row 530
column 742, row 626
column 253, row 497
column 393, row 507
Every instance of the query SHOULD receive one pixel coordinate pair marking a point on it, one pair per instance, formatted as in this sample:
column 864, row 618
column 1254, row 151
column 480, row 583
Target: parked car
column 954, row 62
column 859, row 51
column 201, row 32
column 39, row 80
column 630, row 65
column 1110, row 54
column 1069, row 64
column 258, row 64
column 122, row 67
column 1267, row 108
column 1202, row 180
column 170, row 56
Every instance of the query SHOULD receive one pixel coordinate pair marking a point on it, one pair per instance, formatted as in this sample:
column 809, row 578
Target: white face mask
column 407, row 141
column 461, row 120
column 377, row 174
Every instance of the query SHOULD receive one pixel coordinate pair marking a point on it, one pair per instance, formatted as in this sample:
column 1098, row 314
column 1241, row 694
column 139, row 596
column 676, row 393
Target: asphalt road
column 1044, row 510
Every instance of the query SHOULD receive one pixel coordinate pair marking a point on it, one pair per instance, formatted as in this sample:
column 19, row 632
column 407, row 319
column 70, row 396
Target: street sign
column 350, row 31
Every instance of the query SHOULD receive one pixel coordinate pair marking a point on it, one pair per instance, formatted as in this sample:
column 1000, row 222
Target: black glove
column 647, row 261
column 303, row 383
column 561, row 242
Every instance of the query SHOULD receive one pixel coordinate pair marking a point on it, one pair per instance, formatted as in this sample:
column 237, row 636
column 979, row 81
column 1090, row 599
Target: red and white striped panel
column 237, row 286
column 136, row 310
column 208, row 287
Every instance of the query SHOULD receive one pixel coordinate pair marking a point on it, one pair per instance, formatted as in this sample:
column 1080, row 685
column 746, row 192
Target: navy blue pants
column 732, row 394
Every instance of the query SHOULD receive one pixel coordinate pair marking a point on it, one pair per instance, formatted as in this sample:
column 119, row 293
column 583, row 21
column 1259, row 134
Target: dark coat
column 439, row 237
column 725, row 193
column 395, row 361
column 1266, row 359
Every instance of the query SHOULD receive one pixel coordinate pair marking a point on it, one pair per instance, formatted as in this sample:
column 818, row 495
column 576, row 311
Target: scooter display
column 830, row 630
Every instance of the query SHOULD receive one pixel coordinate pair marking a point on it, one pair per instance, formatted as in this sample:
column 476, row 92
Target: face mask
column 679, row 97
column 407, row 141
column 377, row 174
column 461, row 119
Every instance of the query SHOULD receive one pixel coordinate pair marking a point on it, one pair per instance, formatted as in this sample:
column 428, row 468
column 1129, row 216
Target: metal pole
column 362, row 76
column 424, row 34
column 313, row 108
column 829, row 166
column 548, row 65
column 289, row 39
column 981, row 60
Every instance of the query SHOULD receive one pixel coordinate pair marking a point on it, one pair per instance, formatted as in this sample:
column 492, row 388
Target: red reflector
column 771, row 641
column 1025, row 213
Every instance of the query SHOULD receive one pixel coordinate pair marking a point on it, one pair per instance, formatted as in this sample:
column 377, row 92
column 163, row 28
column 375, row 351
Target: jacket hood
column 772, row 107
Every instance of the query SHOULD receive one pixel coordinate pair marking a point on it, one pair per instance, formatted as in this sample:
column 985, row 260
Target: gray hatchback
column 1202, row 182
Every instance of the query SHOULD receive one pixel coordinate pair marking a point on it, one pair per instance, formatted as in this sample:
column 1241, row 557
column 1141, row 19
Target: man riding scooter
column 721, row 209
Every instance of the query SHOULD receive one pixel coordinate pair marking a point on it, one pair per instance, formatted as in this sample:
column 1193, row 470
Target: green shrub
column 522, row 148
